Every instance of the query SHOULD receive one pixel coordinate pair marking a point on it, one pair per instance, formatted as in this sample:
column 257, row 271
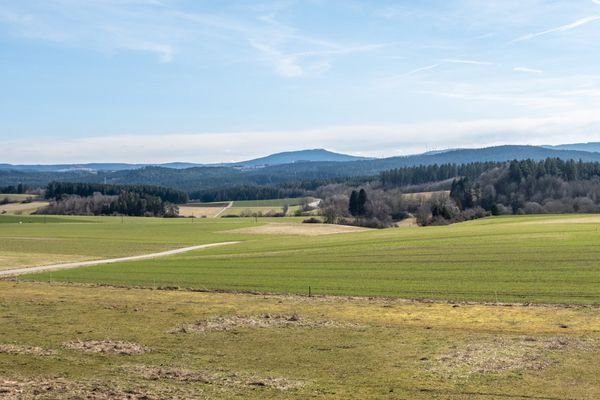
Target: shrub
column 312, row 220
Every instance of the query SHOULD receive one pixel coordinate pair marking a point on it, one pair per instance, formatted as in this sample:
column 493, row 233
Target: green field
column 543, row 259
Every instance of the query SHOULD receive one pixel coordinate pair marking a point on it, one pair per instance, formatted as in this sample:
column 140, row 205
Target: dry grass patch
column 502, row 354
column 220, row 324
column 61, row 389
column 10, row 259
column 408, row 223
column 278, row 228
column 199, row 211
column 218, row 378
column 18, row 349
column 106, row 346
column 589, row 219
column 22, row 208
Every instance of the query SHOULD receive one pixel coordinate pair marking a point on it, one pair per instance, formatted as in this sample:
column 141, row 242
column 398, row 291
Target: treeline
column 291, row 189
column 58, row 190
column 125, row 203
column 246, row 192
column 14, row 189
column 532, row 187
column 433, row 173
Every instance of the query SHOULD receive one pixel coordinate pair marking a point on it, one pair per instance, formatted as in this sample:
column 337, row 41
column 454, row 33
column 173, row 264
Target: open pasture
column 65, row 342
column 502, row 259
column 64, row 334
column 42, row 240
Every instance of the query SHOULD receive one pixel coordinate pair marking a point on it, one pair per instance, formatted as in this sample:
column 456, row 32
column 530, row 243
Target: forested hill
column 290, row 157
column 203, row 178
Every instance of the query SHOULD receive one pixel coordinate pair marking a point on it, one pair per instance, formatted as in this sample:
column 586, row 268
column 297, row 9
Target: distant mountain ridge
column 259, row 172
column 288, row 157
column 593, row 147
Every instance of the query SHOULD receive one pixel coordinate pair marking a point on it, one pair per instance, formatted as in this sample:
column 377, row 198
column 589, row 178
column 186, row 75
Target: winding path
column 225, row 208
column 53, row 267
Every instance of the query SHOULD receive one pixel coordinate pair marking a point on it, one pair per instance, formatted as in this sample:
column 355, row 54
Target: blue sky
column 209, row 81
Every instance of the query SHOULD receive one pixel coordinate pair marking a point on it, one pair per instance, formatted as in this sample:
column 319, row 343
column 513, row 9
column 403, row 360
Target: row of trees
column 477, row 189
column 532, row 187
column 58, row 190
column 370, row 206
column 14, row 189
column 433, row 173
column 125, row 203
column 246, row 192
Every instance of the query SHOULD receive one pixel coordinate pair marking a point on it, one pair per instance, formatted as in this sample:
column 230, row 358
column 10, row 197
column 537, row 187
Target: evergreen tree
column 362, row 203
column 353, row 203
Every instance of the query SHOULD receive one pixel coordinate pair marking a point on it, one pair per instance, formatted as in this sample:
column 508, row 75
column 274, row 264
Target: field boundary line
column 222, row 210
column 54, row 267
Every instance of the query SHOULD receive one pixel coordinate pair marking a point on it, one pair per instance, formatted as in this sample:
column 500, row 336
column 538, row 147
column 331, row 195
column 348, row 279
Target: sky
column 216, row 80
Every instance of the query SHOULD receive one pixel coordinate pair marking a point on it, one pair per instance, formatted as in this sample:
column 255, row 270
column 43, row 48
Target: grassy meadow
column 541, row 259
column 191, row 345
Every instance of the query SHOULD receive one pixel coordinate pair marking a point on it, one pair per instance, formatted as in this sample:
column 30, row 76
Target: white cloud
column 284, row 65
column 373, row 140
column 528, row 70
column 421, row 69
column 468, row 62
column 562, row 28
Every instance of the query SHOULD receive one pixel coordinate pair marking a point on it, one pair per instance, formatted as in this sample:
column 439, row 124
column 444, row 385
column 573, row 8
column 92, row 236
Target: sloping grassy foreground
column 544, row 259
column 185, row 345
column 40, row 240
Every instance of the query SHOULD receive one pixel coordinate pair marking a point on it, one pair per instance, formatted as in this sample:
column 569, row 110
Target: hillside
column 590, row 147
column 290, row 157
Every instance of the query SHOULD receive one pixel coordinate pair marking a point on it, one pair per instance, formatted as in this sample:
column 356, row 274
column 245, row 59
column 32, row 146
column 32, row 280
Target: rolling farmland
column 544, row 259
column 361, row 337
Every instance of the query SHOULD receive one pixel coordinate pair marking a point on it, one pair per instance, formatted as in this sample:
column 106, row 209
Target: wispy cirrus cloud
column 448, row 61
column 465, row 61
column 562, row 28
column 422, row 69
column 528, row 70
column 165, row 30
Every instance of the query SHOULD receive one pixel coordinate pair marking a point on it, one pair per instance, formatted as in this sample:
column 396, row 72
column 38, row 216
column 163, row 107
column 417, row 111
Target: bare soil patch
column 278, row 228
column 220, row 324
column 106, row 346
column 211, row 378
column 61, row 389
column 23, row 349
column 502, row 354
